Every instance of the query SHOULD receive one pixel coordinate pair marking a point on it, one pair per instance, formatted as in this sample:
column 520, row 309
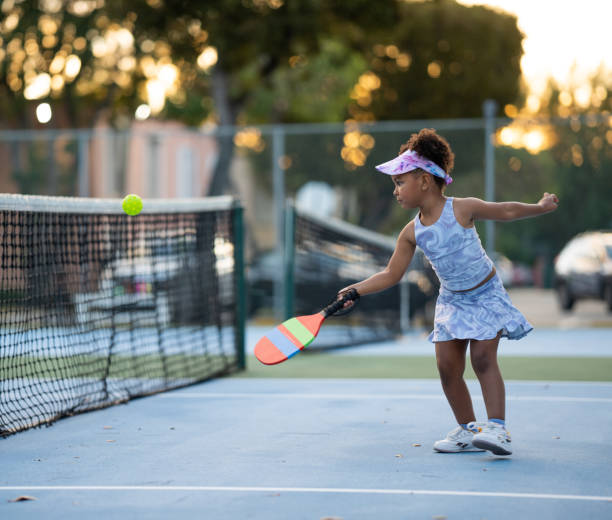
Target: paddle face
column 288, row 338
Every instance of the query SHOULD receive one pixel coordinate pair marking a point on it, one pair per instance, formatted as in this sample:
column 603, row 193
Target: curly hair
column 427, row 143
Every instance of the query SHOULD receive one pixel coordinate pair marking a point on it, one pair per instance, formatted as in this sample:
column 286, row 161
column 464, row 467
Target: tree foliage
column 576, row 167
column 583, row 157
column 258, row 61
column 442, row 59
column 277, row 61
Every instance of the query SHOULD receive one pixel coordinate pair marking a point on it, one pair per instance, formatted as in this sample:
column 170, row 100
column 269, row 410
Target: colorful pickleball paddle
column 291, row 336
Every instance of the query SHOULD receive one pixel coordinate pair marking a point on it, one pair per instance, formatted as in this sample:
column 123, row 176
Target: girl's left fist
column 549, row 202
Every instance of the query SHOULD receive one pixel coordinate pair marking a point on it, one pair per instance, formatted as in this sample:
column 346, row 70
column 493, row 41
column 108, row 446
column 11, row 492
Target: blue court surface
column 311, row 449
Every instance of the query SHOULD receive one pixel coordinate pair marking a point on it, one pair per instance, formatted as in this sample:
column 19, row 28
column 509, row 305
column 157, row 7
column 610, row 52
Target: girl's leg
column 483, row 354
column 450, row 356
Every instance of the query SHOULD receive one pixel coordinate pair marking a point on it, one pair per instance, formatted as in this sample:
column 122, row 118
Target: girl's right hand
column 549, row 202
column 348, row 303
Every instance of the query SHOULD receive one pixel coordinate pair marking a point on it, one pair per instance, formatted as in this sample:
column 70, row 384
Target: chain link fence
column 329, row 168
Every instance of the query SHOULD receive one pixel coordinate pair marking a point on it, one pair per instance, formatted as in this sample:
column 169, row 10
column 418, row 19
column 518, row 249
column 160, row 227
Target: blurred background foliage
column 256, row 61
column 252, row 62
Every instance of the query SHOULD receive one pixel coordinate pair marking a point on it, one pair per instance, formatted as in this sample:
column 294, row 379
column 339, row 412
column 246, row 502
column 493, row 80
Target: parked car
column 583, row 269
column 128, row 292
column 522, row 275
column 164, row 283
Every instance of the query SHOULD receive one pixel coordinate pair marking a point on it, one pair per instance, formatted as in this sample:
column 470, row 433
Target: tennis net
column 326, row 254
column 97, row 307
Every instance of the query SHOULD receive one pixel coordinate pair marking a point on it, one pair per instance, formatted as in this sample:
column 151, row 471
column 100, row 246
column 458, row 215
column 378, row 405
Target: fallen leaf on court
column 107, row 427
column 399, row 456
column 416, row 445
column 111, row 440
column 23, row 498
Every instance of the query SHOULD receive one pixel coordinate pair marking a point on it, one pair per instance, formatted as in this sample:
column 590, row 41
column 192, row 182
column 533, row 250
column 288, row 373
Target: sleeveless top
column 455, row 252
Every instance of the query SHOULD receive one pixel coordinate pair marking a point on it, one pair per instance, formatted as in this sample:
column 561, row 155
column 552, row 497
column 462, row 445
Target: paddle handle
column 333, row 308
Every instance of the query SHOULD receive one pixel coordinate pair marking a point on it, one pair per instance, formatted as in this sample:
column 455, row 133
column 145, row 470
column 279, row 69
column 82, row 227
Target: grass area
column 315, row 365
column 150, row 366
column 306, row 365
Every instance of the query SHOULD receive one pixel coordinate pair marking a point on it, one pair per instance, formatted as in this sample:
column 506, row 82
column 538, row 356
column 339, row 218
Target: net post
column 52, row 181
column 278, row 179
column 238, row 224
column 489, row 108
column 404, row 304
column 289, row 259
column 83, row 164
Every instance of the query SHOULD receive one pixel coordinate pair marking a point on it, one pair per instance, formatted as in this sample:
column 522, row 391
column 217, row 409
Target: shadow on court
column 314, row 448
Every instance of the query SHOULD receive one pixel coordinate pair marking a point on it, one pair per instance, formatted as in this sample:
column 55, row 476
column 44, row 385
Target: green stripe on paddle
column 303, row 335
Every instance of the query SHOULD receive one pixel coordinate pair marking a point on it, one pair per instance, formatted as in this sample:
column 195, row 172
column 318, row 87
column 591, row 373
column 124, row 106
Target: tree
column 255, row 61
column 214, row 56
column 442, row 60
column 259, row 41
column 575, row 164
column 583, row 155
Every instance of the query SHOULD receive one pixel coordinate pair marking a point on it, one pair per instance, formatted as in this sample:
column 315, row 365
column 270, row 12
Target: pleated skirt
column 478, row 314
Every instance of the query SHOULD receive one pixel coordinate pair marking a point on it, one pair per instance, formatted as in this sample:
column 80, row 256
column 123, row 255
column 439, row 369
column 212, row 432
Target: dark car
column 583, row 269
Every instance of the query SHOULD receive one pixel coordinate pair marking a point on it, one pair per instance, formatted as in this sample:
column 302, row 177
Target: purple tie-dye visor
column 408, row 161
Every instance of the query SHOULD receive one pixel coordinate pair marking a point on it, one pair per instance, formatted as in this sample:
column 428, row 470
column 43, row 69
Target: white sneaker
column 459, row 440
column 495, row 438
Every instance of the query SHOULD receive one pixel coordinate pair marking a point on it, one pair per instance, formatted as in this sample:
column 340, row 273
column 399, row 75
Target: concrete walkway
column 541, row 308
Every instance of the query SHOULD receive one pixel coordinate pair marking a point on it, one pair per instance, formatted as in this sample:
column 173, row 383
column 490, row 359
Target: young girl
column 472, row 307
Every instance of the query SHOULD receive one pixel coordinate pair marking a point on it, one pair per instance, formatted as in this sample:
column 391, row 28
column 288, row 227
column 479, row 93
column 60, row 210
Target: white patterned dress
column 459, row 260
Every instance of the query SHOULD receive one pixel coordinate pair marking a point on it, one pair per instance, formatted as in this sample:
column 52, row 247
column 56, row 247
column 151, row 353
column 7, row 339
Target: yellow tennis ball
column 132, row 204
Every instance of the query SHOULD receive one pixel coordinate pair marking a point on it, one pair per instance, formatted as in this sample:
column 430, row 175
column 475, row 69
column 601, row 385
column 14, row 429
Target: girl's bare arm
column 477, row 209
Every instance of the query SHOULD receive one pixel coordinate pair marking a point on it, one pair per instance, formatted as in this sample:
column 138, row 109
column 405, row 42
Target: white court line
column 365, row 397
column 258, row 489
